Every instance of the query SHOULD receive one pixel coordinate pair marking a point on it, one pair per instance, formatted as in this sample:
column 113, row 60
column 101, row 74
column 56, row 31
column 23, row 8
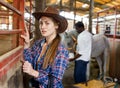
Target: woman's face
column 47, row 26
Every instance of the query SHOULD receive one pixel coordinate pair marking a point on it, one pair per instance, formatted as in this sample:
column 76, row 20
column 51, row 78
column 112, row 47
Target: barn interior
column 15, row 15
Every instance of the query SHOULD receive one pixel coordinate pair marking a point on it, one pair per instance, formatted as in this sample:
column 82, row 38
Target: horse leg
column 100, row 64
column 88, row 71
column 106, row 63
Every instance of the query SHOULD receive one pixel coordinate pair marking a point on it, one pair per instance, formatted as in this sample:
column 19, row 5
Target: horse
column 100, row 50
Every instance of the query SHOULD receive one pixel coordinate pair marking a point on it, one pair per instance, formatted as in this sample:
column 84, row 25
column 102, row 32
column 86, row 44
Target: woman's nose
column 42, row 25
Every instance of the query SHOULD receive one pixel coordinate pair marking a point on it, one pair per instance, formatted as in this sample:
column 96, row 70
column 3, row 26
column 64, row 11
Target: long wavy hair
column 51, row 52
column 52, row 49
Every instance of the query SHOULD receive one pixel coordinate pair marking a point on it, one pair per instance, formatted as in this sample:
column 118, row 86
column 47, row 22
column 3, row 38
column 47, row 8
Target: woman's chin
column 43, row 34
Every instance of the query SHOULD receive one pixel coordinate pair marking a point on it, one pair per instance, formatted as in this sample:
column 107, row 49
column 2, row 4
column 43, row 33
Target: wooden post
column 21, row 20
column 97, row 25
column 39, row 6
column 90, row 15
column 74, row 12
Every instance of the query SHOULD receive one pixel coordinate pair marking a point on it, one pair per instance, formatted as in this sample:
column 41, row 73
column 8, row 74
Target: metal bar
column 10, row 7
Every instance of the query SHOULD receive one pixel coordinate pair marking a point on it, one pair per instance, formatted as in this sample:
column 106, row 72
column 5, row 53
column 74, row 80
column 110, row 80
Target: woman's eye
column 47, row 23
column 40, row 23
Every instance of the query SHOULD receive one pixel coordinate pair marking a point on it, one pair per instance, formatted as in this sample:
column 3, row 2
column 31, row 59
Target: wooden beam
column 3, row 32
column 10, row 7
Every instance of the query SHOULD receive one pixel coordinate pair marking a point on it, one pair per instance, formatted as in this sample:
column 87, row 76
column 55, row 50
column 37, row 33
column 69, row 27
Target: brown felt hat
column 54, row 13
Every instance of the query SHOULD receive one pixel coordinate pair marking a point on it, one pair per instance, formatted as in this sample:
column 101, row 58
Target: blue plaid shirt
column 56, row 70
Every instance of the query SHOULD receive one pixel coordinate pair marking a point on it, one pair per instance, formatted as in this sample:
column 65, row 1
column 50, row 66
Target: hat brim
column 62, row 21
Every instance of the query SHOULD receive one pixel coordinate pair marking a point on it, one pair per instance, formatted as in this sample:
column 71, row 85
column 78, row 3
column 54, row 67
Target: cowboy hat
column 54, row 13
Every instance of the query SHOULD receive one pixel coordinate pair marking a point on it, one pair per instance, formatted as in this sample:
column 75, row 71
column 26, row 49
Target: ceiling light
column 85, row 5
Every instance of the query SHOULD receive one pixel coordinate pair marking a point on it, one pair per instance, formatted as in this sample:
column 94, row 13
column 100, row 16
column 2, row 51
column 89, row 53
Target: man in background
column 83, row 53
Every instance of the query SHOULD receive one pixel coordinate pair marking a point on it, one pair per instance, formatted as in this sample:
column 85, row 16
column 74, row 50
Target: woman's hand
column 26, row 38
column 27, row 68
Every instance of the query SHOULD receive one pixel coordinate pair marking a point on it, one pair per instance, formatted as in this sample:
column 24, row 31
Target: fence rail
column 10, row 7
column 2, row 32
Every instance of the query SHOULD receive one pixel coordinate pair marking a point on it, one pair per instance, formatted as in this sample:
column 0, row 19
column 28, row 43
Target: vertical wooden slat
column 39, row 6
column 91, row 15
column 21, row 20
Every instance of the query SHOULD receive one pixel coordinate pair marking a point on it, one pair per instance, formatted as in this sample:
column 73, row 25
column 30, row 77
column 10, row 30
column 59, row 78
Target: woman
column 47, row 59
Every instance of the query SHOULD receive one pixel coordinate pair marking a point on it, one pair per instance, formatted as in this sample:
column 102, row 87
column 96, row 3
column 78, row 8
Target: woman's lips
column 43, row 32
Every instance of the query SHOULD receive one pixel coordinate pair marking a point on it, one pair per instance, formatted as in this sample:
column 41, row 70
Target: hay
column 90, row 84
column 110, row 85
column 95, row 84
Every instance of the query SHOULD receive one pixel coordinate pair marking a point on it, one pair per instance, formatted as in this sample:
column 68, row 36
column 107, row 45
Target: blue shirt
column 56, row 70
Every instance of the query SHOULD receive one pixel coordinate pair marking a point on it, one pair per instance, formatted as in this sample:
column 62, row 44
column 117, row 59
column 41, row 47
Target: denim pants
column 80, row 71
